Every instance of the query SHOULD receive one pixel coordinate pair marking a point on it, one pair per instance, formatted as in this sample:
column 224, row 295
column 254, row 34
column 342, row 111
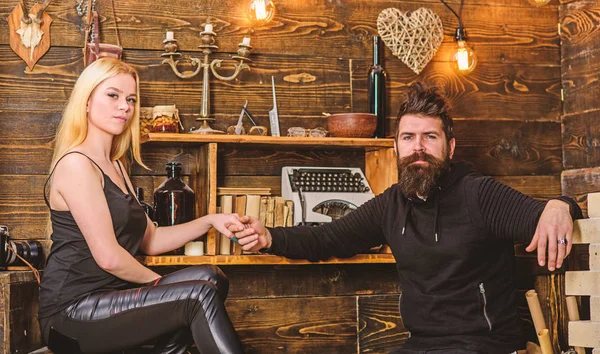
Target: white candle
column 208, row 28
column 246, row 41
column 195, row 248
column 170, row 35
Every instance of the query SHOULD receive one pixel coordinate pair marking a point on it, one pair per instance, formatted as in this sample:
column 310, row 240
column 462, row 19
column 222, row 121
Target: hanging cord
column 459, row 14
column 36, row 274
column 112, row 2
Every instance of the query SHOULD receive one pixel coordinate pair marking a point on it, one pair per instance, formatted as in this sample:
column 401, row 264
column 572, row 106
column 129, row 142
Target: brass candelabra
column 207, row 39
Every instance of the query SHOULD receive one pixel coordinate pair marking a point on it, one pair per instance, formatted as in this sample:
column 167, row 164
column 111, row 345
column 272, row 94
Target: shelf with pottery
column 380, row 171
column 190, row 138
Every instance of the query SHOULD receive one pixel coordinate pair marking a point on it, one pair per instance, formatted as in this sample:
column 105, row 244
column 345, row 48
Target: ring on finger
column 562, row 241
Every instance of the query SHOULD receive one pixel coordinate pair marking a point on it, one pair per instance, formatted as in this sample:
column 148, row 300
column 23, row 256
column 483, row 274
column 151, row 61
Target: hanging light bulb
column 261, row 12
column 463, row 58
column 538, row 3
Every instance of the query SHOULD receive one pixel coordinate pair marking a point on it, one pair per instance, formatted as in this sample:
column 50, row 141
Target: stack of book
column 256, row 202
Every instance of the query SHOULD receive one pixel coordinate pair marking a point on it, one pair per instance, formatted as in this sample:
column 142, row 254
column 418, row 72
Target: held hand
column 554, row 232
column 226, row 224
column 253, row 236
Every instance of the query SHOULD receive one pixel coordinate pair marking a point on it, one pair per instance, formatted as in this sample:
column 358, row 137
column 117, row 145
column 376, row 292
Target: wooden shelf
column 190, row 138
column 154, row 261
column 380, row 171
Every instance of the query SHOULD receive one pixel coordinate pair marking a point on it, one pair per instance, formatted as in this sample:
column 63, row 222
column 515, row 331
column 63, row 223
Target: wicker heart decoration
column 413, row 37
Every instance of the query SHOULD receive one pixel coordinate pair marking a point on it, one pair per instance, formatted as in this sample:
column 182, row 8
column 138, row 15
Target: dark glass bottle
column 376, row 86
column 174, row 201
column 139, row 193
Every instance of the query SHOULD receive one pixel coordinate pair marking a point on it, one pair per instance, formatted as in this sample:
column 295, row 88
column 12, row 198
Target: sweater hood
column 447, row 179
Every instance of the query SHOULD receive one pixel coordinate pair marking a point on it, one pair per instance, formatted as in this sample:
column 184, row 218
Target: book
column 270, row 213
column 226, row 207
column 240, row 204
column 240, row 209
column 253, row 205
column 262, row 211
column 243, row 190
column 289, row 215
column 279, row 212
column 252, row 209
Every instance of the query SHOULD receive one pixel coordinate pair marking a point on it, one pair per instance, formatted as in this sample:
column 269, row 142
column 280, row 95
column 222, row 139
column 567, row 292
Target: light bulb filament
column 260, row 9
column 462, row 59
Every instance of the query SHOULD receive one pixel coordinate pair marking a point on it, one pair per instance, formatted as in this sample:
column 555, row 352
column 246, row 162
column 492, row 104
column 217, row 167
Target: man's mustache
column 418, row 156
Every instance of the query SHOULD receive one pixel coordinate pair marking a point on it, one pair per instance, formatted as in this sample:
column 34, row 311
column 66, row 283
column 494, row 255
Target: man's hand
column 226, row 223
column 555, row 224
column 253, row 237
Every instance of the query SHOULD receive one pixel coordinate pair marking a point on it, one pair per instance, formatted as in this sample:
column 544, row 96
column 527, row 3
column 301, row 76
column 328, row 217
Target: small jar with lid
column 165, row 119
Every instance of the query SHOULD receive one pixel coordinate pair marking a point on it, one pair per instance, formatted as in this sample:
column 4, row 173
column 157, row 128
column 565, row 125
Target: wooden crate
column 19, row 303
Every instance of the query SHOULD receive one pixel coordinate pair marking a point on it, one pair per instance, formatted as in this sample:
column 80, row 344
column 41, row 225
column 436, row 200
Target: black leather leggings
column 183, row 308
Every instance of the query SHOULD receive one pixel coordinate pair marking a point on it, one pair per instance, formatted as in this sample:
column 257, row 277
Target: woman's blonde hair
column 73, row 126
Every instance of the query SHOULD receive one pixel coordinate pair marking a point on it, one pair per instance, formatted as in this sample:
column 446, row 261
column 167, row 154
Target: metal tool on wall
column 238, row 129
column 239, row 126
column 273, row 113
column 30, row 32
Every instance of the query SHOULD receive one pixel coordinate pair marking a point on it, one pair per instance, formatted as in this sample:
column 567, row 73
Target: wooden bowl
column 352, row 125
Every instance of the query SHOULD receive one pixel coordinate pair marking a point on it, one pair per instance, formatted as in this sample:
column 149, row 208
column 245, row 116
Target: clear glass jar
column 165, row 119
column 146, row 121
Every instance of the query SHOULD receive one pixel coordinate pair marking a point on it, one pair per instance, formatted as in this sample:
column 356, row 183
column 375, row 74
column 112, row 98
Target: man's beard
column 417, row 180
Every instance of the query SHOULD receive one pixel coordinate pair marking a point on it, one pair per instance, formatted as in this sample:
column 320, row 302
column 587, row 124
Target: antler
column 41, row 10
column 25, row 18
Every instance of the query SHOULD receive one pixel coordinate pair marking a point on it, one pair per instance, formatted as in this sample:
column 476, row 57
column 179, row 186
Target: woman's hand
column 226, row 224
column 253, row 236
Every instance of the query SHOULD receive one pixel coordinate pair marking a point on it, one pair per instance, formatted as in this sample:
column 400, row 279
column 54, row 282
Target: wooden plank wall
column 508, row 122
column 580, row 22
column 580, row 46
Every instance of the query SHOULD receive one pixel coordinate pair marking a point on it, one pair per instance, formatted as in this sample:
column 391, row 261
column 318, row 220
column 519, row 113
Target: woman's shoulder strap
column 124, row 179
column 54, row 168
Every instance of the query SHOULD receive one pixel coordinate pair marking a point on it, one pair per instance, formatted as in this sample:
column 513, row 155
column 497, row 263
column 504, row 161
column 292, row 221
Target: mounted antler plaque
column 30, row 32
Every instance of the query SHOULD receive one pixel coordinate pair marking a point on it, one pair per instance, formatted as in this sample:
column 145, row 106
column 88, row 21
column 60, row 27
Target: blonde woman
column 95, row 297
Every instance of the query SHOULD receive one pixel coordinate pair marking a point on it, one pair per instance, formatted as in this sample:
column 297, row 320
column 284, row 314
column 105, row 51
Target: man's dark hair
column 427, row 101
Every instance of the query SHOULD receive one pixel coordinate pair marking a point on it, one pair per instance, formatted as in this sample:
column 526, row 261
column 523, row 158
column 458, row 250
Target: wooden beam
column 584, row 282
column 584, row 334
column 594, row 256
column 595, row 308
column 586, row 231
column 593, row 201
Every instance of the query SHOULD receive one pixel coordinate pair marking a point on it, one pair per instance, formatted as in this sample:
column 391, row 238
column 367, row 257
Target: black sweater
column 454, row 254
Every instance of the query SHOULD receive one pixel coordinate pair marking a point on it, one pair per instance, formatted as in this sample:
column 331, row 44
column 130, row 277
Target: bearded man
column 451, row 231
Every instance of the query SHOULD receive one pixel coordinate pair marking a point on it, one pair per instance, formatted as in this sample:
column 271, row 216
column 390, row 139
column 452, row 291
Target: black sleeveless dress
column 71, row 272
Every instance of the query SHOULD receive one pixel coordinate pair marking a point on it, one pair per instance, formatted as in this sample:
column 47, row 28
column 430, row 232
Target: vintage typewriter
column 323, row 194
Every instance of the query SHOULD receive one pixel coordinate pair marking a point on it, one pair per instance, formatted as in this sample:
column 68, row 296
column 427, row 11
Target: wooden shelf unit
column 380, row 171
